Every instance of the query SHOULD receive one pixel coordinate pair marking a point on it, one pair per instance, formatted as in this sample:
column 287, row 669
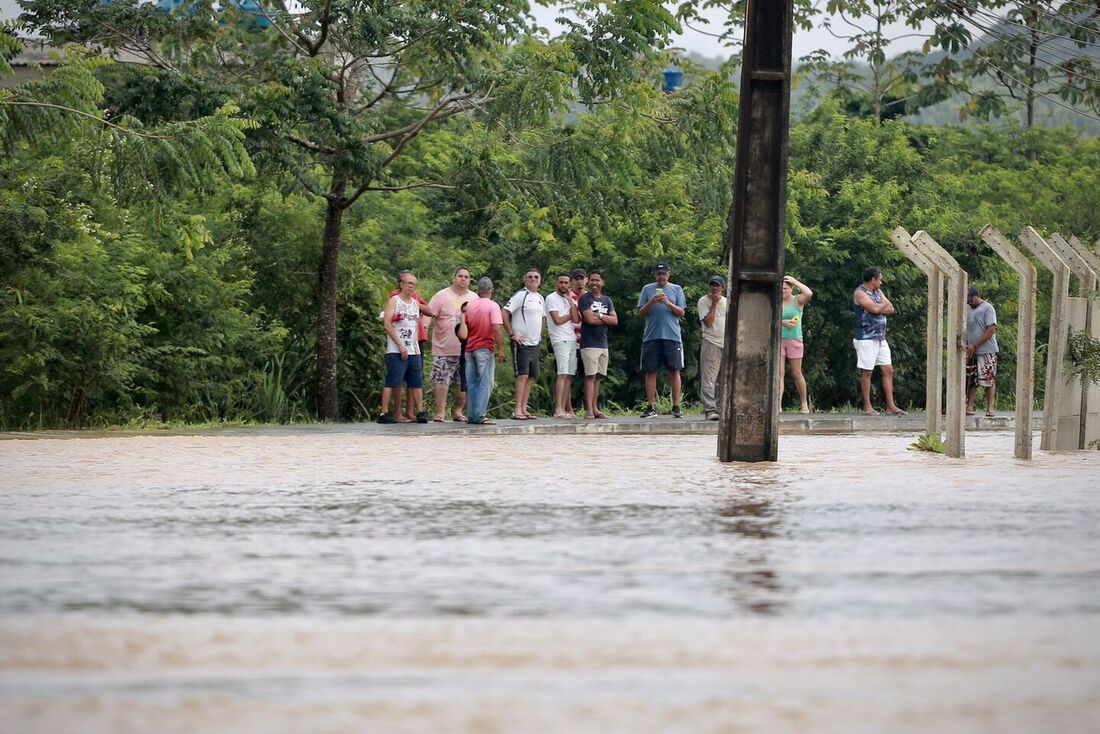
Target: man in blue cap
column 662, row 304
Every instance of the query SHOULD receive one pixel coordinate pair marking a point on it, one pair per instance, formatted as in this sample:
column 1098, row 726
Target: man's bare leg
column 650, row 387
column 990, row 399
column 401, row 413
column 523, row 389
column 441, row 401
column 888, row 388
column 561, row 393
column 460, row 404
column 865, row 390
column 674, row 380
column 589, row 397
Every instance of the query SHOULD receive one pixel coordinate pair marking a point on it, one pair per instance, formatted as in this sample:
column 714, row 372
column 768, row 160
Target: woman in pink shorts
column 791, row 348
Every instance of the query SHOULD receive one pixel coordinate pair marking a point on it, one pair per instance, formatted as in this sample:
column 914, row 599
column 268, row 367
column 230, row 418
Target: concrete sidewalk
column 789, row 424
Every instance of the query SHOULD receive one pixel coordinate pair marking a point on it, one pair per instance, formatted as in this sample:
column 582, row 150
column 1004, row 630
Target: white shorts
column 871, row 353
column 565, row 354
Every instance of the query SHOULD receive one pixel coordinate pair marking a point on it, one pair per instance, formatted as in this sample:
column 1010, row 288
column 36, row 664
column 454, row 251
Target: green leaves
column 62, row 111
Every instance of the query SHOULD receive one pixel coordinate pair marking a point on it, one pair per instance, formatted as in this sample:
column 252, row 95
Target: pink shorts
column 792, row 348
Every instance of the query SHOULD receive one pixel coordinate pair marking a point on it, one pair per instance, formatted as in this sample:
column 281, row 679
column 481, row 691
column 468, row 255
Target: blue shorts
column 658, row 352
column 410, row 371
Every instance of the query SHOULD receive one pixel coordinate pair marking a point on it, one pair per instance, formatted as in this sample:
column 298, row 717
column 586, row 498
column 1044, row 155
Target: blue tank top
column 869, row 325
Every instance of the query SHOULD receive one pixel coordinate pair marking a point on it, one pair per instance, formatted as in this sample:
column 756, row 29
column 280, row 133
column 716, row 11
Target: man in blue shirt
column 597, row 313
column 662, row 305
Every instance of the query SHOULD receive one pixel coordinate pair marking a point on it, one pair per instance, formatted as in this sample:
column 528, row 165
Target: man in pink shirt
column 446, row 349
column 483, row 327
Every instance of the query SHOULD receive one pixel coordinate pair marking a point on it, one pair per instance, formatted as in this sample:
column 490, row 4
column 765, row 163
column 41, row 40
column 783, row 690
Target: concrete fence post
column 956, row 340
column 1056, row 339
column 1025, row 335
column 1077, row 264
column 1079, row 312
column 933, row 381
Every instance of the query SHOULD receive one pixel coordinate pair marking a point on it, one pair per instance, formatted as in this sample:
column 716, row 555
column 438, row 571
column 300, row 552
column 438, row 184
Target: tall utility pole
column 749, row 428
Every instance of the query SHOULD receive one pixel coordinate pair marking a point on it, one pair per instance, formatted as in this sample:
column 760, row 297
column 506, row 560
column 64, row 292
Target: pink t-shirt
column 446, row 305
column 481, row 316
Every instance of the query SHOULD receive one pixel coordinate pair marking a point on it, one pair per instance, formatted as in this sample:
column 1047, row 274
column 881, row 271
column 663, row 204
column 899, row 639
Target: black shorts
column 525, row 358
column 662, row 352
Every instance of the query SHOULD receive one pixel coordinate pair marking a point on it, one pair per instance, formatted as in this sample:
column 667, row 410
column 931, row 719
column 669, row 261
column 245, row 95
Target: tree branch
column 81, row 113
column 310, row 145
column 440, row 112
column 407, row 187
column 444, row 110
column 326, row 22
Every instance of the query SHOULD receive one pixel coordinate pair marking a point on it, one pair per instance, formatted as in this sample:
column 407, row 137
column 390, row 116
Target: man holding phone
column 662, row 304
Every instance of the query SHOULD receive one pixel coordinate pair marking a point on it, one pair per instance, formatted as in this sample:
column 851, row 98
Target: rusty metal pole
column 749, row 428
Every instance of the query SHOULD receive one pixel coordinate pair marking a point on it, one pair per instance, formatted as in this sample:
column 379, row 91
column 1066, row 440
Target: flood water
column 303, row 581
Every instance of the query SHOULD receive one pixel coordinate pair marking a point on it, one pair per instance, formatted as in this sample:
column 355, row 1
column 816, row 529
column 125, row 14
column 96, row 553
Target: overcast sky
column 804, row 41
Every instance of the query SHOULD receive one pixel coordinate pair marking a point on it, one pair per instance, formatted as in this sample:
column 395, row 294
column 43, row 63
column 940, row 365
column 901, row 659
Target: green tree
column 342, row 92
column 888, row 87
column 1024, row 51
column 95, row 251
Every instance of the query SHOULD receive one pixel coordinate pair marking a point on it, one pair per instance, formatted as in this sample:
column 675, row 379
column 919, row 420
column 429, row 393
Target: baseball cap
column 716, row 279
column 484, row 285
column 971, row 292
column 579, row 273
column 662, row 265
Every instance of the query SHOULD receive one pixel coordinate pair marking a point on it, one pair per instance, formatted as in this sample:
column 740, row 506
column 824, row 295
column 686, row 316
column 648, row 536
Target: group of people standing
column 471, row 334
column 872, row 308
column 471, row 331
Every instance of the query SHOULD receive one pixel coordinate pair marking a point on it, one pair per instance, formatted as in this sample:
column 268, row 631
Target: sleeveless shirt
column 790, row 311
column 870, row 325
column 406, row 319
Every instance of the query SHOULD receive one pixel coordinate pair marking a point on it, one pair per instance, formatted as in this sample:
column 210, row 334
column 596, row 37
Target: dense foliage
column 204, row 305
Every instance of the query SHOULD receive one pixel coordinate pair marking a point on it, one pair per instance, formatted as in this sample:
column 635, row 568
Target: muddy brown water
column 545, row 583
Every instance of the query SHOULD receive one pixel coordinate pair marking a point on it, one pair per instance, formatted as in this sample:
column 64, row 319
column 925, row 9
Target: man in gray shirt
column 981, row 351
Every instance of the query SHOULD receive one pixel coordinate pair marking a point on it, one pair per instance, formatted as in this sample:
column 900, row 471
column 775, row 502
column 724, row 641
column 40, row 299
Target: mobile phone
column 660, row 291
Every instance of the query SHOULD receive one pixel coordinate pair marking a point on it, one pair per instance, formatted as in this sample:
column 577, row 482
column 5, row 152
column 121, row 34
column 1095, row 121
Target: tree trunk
column 877, row 73
column 1032, row 60
column 327, row 403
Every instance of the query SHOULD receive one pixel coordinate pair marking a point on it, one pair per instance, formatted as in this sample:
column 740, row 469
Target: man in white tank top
column 403, row 360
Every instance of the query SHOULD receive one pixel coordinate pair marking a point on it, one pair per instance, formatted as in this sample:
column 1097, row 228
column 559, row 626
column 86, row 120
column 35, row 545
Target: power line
column 1005, row 73
column 1029, row 87
column 1039, row 59
column 1048, row 51
column 1093, row 8
column 1050, row 17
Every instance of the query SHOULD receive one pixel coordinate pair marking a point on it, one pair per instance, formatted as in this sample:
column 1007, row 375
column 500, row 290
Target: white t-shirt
column 528, row 310
column 561, row 305
column 405, row 321
column 715, row 333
